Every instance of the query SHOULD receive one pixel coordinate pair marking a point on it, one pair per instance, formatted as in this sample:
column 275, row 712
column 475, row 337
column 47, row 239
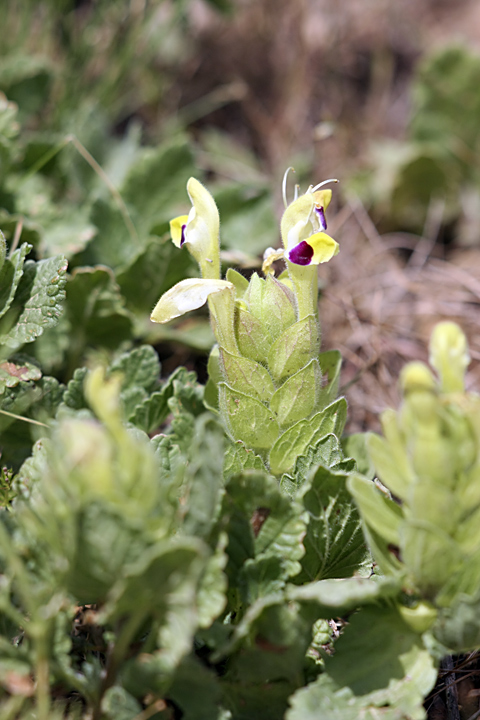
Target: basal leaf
column 95, row 308
column 390, row 681
column 74, row 396
column 14, row 372
column 118, row 704
column 262, row 521
column 140, row 369
column 337, row 597
column 326, row 452
column 212, row 592
column 38, row 302
column 334, row 544
column 196, row 690
column 204, row 477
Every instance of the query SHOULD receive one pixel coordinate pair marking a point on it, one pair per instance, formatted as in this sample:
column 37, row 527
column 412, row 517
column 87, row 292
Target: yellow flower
column 303, row 228
column 199, row 230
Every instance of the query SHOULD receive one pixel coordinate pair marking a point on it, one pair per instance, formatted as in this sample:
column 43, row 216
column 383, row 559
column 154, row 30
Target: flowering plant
column 273, row 388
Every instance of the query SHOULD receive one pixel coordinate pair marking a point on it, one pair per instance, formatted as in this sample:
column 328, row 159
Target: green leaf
column 196, row 690
column 296, row 399
column 247, row 376
column 69, row 233
column 95, row 308
column 380, row 670
column 325, row 452
column 238, row 457
column 247, row 418
column 294, row 348
column 260, row 577
column 239, row 281
column 74, row 396
column 263, row 521
column 157, row 181
column 204, row 477
column 10, row 275
column 38, row 302
column 17, row 399
column 153, row 271
column 334, row 544
column 212, row 593
column 118, row 704
column 338, row 597
column 153, row 410
column 140, row 366
column 296, row 439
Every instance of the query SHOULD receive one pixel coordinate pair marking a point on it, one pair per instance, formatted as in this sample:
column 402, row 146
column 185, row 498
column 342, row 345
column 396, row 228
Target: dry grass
column 382, row 296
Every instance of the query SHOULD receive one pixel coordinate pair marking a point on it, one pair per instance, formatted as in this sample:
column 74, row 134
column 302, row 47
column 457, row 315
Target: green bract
column 266, row 374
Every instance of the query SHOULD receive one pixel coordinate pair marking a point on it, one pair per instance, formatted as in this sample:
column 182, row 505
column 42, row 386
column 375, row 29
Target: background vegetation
column 107, row 108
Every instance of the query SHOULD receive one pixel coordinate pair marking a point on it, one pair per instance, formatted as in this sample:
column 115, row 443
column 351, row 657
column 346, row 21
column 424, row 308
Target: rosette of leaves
column 274, row 390
column 423, row 522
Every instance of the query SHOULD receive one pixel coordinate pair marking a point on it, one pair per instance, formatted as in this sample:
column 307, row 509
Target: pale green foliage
column 429, row 460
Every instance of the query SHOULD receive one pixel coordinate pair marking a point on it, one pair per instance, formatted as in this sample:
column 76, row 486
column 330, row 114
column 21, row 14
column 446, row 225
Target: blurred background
column 107, row 107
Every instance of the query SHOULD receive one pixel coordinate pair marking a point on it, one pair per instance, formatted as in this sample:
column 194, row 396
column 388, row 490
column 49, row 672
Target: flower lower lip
column 301, row 254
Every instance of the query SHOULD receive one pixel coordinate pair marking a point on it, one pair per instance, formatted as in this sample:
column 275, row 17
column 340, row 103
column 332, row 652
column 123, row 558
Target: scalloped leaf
column 334, row 544
column 10, row 276
column 38, row 302
column 263, row 522
column 300, row 436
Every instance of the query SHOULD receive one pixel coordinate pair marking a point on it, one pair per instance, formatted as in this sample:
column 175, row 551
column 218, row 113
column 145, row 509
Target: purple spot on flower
column 321, row 217
column 183, row 238
column 301, row 254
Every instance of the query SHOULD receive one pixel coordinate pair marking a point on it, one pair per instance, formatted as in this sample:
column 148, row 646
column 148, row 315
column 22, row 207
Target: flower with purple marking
column 303, row 229
column 199, row 230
